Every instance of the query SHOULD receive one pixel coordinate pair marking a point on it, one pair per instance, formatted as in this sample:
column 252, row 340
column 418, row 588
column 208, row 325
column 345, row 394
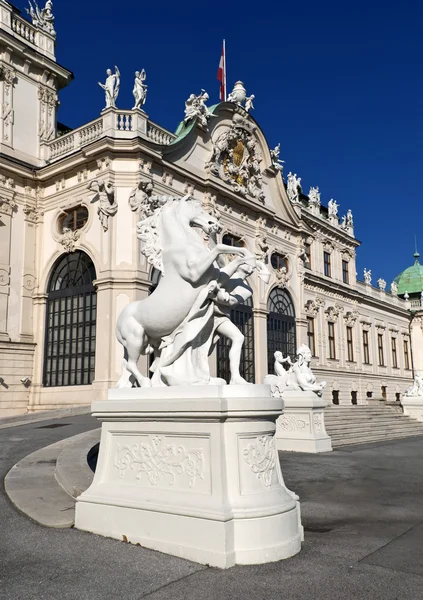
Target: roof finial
column 416, row 254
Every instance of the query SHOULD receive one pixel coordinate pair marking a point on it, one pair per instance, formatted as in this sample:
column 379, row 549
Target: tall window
column 331, row 339
column 326, row 262
column 307, row 251
column 69, row 356
column 350, row 346
column 394, row 353
column 366, row 354
column 345, row 274
column 406, row 355
column 310, row 336
column 380, row 349
column 242, row 316
column 280, row 325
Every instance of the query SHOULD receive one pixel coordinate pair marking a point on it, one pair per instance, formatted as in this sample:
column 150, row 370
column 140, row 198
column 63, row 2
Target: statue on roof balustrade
column 140, row 89
column 111, row 87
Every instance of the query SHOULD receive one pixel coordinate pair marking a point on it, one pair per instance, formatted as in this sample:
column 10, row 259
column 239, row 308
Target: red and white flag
column 221, row 74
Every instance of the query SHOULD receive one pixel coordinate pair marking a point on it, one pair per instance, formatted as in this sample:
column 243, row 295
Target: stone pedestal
column 413, row 407
column 193, row 472
column 301, row 427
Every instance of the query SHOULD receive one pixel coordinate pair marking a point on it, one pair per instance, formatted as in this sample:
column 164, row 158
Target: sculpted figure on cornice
column 293, row 188
column 236, row 159
column 239, row 96
column 367, row 276
column 294, row 375
column 333, row 208
column 381, row 283
column 139, row 198
column 195, row 107
column 140, row 89
column 105, row 196
column 42, row 18
column 314, row 196
column 394, row 288
column 277, row 163
column 111, row 87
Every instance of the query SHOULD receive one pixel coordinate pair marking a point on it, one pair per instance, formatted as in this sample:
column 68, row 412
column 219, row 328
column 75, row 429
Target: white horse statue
column 188, row 310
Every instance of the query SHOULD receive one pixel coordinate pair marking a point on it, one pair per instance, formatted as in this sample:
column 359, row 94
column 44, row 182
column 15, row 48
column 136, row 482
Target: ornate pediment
column 236, row 158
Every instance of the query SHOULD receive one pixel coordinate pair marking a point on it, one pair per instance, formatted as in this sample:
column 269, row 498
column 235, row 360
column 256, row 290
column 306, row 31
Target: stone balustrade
column 115, row 123
column 17, row 26
column 24, row 29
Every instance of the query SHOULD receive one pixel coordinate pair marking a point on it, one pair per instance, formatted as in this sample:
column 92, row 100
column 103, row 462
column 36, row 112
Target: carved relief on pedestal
column 318, row 422
column 260, row 456
column 159, row 462
column 290, row 423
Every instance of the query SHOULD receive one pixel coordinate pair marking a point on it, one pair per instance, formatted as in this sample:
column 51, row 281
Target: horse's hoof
column 145, row 383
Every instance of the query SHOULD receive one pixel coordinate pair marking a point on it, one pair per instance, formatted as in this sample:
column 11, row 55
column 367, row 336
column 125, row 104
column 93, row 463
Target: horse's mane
column 148, row 231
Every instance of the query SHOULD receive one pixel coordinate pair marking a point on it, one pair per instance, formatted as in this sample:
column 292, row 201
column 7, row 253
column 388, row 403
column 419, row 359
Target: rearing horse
column 189, row 266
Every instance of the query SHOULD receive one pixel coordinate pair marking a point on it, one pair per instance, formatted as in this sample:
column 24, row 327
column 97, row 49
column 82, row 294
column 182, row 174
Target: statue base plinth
column 413, row 407
column 192, row 471
column 301, row 427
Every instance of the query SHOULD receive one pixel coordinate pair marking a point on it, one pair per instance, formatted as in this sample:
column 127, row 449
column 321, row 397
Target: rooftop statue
column 394, row 288
column 293, row 188
column 367, row 276
column 314, row 196
column 111, row 87
column 239, row 96
column 42, row 18
column 249, row 103
column 277, row 163
column 195, row 107
column 140, row 89
column 182, row 319
column 333, row 208
column 297, row 375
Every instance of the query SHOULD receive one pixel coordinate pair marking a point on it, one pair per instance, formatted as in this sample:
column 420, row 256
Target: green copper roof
column 411, row 280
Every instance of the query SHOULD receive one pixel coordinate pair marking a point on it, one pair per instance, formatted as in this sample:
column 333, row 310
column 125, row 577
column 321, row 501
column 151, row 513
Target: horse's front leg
column 198, row 266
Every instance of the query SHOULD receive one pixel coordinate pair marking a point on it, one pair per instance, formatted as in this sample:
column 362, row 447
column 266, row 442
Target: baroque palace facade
column 70, row 260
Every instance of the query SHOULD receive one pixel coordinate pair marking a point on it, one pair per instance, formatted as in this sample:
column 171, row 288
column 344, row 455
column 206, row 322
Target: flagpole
column 224, row 65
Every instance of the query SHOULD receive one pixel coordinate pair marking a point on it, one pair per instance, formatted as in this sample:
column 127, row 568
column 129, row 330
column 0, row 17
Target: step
column 366, row 440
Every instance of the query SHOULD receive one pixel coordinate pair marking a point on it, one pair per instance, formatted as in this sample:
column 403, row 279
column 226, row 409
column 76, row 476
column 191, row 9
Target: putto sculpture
column 182, row 319
column 105, row 196
column 111, row 87
column 195, row 107
column 140, row 89
column 367, row 276
column 417, row 388
column 293, row 188
column 277, row 163
column 42, row 18
column 297, row 375
column 239, row 96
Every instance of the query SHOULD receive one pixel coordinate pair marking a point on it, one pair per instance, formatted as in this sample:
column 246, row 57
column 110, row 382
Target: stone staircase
column 376, row 422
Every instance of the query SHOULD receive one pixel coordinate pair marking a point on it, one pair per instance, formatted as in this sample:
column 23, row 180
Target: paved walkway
column 362, row 510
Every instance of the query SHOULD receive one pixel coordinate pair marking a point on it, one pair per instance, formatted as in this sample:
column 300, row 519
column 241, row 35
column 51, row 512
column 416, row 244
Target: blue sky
column 338, row 84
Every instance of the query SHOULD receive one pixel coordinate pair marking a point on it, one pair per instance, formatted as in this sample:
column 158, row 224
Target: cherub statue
column 367, row 276
column 195, row 107
column 105, row 195
column 277, row 163
column 111, row 87
column 417, row 388
column 140, row 89
column 299, row 376
column 249, row 103
column 140, row 199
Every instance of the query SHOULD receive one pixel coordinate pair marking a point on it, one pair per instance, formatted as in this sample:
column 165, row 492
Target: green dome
column 411, row 280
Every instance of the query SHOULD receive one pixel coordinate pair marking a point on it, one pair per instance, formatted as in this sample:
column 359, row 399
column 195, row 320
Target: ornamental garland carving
column 332, row 312
column 8, row 205
column 260, row 456
column 236, row 159
column 290, row 423
column 32, row 213
column 160, row 461
column 312, row 306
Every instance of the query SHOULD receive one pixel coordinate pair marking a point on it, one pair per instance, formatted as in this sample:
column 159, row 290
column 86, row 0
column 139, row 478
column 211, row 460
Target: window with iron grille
column 326, row 261
column 366, row 354
column 380, row 349
column 406, row 355
column 345, row 274
column 394, row 353
column 350, row 345
column 281, row 334
column 331, row 340
column 69, row 354
column 242, row 317
column 310, row 336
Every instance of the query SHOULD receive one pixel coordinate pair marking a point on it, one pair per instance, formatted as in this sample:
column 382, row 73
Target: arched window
column 242, row 316
column 280, row 326
column 69, row 355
